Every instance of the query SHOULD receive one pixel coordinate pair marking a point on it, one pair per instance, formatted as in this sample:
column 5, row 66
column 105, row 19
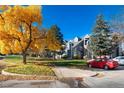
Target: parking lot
column 110, row 79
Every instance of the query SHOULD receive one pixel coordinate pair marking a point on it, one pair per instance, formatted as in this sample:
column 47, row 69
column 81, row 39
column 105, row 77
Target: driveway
column 73, row 76
column 65, row 72
column 94, row 78
column 111, row 78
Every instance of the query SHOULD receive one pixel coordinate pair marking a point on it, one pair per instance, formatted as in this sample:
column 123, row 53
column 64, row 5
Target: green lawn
column 13, row 59
column 64, row 63
column 18, row 60
column 59, row 62
column 38, row 66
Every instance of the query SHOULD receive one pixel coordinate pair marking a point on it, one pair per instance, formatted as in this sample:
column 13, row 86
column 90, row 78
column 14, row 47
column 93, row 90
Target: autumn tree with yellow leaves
column 54, row 39
column 17, row 32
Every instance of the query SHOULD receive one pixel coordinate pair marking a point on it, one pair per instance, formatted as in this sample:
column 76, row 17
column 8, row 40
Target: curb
column 8, row 73
column 57, row 73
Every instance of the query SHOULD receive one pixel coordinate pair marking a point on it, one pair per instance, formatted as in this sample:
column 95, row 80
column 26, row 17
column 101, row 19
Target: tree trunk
column 54, row 55
column 24, row 58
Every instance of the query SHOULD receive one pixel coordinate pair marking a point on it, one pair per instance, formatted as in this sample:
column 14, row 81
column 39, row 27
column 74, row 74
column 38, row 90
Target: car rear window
column 98, row 59
column 102, row 59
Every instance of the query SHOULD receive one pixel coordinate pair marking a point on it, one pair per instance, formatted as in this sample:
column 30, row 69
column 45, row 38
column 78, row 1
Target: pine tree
column 54, row 39
column 100, row 40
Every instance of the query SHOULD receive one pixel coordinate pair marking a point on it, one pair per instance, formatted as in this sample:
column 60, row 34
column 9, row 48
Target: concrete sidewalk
column 73, row 77
column 64, row 72
column 103, row 82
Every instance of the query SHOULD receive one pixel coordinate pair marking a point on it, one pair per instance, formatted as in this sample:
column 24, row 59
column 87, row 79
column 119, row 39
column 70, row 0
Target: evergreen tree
column 101, row 42
column 54, row 39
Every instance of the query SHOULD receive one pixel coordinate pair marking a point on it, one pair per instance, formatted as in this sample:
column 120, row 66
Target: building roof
column 86, row 36
column 78, row 43
column 77, row 40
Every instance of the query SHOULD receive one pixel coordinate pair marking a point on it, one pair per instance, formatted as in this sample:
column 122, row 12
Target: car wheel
column 106, row 67
column 89, row 65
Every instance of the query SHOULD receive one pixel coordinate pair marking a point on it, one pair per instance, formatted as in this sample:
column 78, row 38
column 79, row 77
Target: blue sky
column 76, row 20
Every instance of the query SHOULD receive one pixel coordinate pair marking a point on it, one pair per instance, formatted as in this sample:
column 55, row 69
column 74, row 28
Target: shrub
column 65, row 57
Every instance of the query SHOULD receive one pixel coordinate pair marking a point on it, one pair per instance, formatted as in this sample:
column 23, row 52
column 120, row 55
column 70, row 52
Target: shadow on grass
column 16, row 59
column 60, row 63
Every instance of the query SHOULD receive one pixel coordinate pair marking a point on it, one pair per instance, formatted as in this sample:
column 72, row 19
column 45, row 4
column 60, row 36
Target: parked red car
column 103, row 63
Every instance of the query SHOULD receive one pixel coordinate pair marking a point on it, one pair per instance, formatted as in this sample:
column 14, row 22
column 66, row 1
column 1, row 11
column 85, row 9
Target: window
column 86, row 41
column 98, row 60
column 121, row 57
